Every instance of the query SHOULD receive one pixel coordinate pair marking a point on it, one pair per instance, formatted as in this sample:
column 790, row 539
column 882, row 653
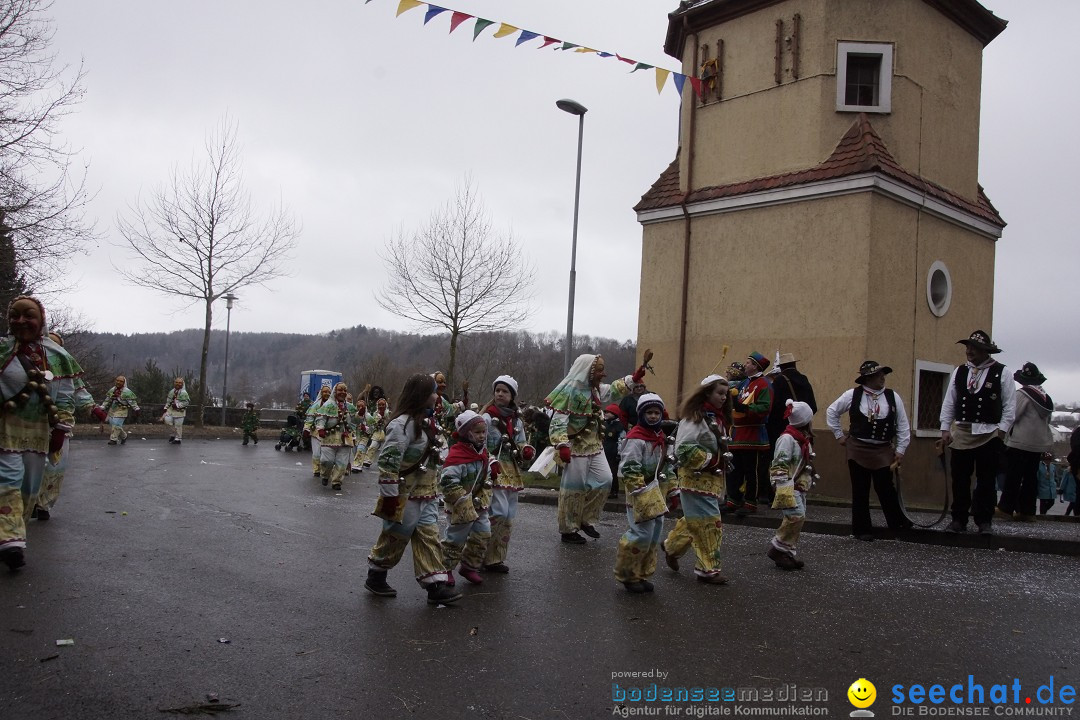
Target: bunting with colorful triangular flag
column 458, row 17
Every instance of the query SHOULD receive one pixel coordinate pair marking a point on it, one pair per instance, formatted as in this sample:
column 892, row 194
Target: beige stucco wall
column 833, row 280
column 761, row 129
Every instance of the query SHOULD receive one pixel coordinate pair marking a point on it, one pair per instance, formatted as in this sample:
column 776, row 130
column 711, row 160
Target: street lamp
column 574, row 108
column 229, row 298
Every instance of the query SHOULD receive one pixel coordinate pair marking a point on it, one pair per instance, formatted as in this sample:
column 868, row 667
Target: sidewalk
column 1055, row 536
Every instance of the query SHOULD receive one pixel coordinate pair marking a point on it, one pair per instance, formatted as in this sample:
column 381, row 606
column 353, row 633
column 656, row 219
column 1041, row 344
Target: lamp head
column 571, row 106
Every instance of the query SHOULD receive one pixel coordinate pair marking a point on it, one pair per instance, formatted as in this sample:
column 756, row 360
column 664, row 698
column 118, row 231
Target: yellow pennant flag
column 584, row 50
column 406, row 5
column 661, row 79
column 505, row 30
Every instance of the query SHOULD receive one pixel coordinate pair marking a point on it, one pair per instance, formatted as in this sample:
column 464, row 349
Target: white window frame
column 921, row 365
column 882, row 50
column 939, row 310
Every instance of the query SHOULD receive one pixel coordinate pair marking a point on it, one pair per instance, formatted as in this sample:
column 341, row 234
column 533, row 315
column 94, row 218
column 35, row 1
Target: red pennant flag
column 548, row 41
column 457, row 18
column 696, row 84
column 626, row 60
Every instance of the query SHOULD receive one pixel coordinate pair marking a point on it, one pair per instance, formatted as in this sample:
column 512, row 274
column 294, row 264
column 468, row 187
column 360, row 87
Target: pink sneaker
column 471, row 575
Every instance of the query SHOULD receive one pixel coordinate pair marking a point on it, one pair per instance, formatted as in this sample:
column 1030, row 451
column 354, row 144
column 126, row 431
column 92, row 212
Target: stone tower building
column 824, row 201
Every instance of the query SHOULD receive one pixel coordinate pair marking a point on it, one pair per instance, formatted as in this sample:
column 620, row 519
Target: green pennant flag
column 481, row 23
column 642, row 66
column 568, row 45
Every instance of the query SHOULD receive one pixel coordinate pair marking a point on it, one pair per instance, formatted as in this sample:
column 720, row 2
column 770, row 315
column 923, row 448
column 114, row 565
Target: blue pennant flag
column 526, row 36
column 433, row 10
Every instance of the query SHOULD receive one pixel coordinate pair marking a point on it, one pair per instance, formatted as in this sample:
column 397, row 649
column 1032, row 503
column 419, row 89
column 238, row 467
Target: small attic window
column 864, row 77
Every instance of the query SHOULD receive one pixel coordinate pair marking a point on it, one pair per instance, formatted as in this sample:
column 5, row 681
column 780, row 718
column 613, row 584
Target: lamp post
column 229, row 298
column 574, row 108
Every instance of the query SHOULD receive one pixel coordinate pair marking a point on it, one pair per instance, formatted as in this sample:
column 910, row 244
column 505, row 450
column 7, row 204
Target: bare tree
column 455, row 274
column 42, row 202
column 198, row 237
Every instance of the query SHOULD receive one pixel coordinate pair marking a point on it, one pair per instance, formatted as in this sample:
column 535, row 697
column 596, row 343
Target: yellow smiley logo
column 862, row 693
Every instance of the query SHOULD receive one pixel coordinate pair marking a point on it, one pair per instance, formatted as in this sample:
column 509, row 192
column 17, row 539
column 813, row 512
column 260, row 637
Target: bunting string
column 457, row 18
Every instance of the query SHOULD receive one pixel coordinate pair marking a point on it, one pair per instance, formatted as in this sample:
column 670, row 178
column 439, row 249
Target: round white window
column 939, row 288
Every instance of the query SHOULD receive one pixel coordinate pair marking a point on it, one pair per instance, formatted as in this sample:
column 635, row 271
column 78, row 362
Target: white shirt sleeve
column 903, row 427
column 840, row 406
column 948, row 405
column 1008, row 401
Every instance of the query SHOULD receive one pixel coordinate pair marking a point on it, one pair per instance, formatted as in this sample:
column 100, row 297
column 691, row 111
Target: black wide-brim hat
column 869, row 368
column 1029, row 375
column 981, row 340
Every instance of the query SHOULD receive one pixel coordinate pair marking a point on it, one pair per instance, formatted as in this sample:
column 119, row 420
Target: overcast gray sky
column 363, row 123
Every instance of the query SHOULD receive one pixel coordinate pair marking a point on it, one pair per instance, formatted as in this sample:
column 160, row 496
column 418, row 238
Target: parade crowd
column 738, row 440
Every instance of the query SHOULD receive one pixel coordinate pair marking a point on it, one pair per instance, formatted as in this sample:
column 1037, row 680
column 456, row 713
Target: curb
column 1043, row 546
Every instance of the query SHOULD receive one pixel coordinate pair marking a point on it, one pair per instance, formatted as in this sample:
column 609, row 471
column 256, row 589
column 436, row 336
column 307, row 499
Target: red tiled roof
column 861, row 150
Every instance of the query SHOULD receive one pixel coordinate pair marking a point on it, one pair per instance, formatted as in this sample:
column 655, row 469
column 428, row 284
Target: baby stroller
column 289, row 439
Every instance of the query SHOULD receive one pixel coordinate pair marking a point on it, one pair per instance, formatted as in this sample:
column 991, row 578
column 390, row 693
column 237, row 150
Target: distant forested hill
column 266, row 367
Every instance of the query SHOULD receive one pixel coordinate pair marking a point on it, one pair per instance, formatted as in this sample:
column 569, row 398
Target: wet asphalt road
column 240, row 543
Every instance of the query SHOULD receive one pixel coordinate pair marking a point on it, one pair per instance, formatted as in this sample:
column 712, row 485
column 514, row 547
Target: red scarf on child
column 641, row 432
column 803, row 440
column 462, row 453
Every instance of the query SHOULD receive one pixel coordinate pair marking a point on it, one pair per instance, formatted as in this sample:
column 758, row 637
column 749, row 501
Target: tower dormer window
column 864, row 77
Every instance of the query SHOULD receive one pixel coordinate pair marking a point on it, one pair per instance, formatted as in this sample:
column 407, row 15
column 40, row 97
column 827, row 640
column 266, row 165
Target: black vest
column 862, row 427
column 985, row 404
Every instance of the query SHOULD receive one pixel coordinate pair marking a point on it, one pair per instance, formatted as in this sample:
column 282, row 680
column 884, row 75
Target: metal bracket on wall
column 779, row 56
column 796, row 25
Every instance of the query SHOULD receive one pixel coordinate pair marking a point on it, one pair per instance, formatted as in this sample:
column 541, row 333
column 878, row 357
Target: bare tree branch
column 198, row 238
column 41, row 198
column 456, row 274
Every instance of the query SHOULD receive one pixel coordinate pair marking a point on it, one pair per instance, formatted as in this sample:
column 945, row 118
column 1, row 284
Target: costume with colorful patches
column 37, row 387
column 506, row 443
column 376, row 425
column 792, row 475
column 578, row 402
column 700, row 444
column 465, row 480
column 56, row 468
column 175, row 410
column 335, row 424
column 750, row 438
column 407, row 497
column 119, row 401
column 309, row 430
column 641, row 465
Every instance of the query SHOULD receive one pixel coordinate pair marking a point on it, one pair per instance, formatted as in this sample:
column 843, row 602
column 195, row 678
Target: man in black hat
column 977, row 412
column 877, row 438
column 1029, row 439
column 788, row 384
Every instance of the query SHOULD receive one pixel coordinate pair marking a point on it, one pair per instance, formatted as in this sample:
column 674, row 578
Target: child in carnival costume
column 119, row 401
column 792, row 475
column 376, row 423
column 641, row 469
column 363, row 436
column 335, row 424
column 700, row 450
column 175, row 410
column 250, row 423
column 576, row 432
column 506, row 443
column 466, row 480
column 406, row 504
column 309, row 430
column 37, row 388
column 56, row 468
